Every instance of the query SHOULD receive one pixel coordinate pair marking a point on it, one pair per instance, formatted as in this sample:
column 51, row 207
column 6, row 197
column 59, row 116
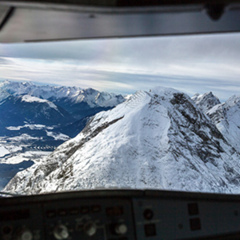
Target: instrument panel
column 120, row 215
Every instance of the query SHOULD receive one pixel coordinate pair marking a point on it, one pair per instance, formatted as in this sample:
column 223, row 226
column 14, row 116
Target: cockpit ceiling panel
column 29, row 23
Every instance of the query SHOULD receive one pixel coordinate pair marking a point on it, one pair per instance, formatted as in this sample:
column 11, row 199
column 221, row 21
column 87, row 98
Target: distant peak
column 208, row 94
column 233, row 100
column 90, row 90
column 5, row 82
column 163, row 90
column 27, row 83
column 206, row 101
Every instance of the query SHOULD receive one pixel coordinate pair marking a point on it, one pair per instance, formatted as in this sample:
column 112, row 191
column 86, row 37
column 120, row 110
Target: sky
column 192, row 64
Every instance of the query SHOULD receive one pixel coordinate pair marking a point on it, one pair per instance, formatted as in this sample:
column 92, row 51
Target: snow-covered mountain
column 41, row 91
column 205, row 101
column 27, row 132
column 18, row 110
column 226, row 117
column 157, row 139
column 73, row 99
column 35, row 119
column 24, row 103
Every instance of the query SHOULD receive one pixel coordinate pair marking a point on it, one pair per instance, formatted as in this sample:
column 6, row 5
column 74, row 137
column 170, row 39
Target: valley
column 35, row 120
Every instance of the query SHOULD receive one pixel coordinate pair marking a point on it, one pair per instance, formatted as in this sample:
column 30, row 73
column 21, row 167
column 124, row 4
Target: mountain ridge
column 156, row 139
column 35, row 119
column 53, row 93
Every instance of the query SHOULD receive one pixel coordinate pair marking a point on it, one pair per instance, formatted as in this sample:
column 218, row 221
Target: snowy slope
column 31, row 99
column 19, row 110
column 75, row 95
column 3, row 151
column 158, row 139
column 80, row 103
column 41, row 91
column 34, row 119
column 205, row 101
column 226, row 117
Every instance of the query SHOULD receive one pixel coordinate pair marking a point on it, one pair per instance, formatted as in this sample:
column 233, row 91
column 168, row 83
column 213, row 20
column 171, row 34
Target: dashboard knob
column 60, row 232
column 120, row 228
column 90, row 228
column 25, row 234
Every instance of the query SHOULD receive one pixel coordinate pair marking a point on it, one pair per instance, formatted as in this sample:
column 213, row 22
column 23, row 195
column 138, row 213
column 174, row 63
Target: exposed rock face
column 226, row 117
column 205, row 101
column 158, row 139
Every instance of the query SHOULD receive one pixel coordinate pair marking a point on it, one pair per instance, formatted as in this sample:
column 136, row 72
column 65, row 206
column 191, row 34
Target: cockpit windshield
column 138, row 113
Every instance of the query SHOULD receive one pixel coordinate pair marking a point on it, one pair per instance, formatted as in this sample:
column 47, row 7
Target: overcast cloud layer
column 189, row 63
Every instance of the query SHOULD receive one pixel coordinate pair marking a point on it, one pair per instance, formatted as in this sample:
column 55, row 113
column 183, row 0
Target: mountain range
column 22, row 104
column 76, row 101
column 35, row 119
column 158, row 139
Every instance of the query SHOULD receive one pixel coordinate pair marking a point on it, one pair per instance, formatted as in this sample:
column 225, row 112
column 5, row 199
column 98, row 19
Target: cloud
column 190, row 63
column 5, row 61
column 142, row 50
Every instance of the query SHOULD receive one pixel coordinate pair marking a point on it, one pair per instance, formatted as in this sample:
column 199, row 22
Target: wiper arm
column 9, row 194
